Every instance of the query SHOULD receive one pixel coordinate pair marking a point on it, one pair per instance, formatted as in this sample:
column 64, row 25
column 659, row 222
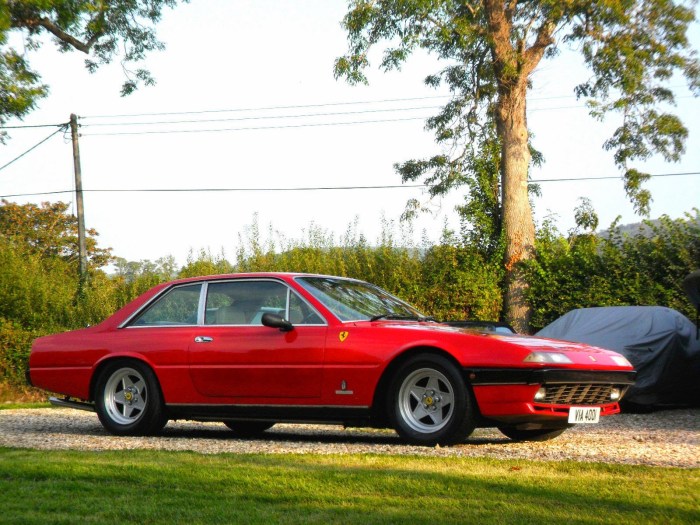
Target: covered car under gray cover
column 661, row 343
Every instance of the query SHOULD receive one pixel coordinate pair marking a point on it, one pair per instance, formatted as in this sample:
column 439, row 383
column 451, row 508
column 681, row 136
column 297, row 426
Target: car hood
column 480, row 348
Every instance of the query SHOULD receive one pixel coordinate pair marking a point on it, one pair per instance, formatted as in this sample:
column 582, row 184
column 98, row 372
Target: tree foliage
column 48, row 230
column 102, row 29
column 631, row 47
column 132, row 278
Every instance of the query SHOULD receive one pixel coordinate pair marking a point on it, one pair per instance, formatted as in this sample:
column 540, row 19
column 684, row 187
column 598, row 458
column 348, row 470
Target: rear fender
column 102, row 363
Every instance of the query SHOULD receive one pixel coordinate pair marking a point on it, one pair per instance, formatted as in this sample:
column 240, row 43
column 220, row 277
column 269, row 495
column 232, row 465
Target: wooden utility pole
column 82, row 248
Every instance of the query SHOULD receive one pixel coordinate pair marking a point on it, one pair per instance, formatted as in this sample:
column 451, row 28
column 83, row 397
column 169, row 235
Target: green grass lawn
column 16, row 406
column 145, row 487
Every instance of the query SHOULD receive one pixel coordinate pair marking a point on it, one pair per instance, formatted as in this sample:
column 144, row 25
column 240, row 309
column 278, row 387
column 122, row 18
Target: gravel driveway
column 666, row 438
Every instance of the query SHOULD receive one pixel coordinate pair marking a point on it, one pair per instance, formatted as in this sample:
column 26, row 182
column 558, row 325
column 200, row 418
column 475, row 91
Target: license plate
column 584, row 414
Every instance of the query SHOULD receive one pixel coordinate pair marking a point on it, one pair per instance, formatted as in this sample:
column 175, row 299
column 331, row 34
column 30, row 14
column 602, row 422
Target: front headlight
column 547, row 357
column 621, row 360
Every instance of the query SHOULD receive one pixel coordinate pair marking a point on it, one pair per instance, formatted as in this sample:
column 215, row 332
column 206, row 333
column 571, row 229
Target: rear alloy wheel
column 429, row 402
column 128, row 399
column 248, row 428
column 540, row 434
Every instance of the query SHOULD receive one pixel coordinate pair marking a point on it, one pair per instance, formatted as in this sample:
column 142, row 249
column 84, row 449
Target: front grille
column 577, row 394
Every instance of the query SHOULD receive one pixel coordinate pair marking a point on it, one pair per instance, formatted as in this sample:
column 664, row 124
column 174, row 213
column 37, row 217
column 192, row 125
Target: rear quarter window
column 179, row 306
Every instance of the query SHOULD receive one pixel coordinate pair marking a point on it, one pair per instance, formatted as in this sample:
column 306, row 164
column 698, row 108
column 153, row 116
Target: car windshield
column 357, row 301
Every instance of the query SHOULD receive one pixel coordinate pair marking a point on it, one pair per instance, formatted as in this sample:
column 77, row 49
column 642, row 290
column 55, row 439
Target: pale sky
column 254, row 54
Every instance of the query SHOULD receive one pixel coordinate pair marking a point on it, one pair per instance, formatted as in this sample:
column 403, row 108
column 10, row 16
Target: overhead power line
column 265, row 108
column 261, row 117
column 33, row 147
column 320, row 105
column 28, row 126
column 307, row 188
column 269, row 117
column 293, row 106
column 218, row 190
column 250, row 128
column 570, row 179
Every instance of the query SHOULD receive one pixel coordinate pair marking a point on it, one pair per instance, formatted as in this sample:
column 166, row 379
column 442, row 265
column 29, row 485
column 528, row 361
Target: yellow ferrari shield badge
column 343, row 336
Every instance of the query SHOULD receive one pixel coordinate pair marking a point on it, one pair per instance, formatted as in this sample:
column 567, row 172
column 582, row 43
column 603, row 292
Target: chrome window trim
column 161, row 326
column 202, row 307
column 296, row 326
column 289, row 297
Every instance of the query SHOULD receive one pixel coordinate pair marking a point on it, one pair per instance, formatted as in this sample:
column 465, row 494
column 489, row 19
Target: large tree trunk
column 518, row 225
column 513, row 62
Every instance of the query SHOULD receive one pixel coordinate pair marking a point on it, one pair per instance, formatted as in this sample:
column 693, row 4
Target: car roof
column 252, row 275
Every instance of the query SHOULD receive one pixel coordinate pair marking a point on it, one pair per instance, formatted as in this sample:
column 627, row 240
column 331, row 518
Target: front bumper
column 508, row 395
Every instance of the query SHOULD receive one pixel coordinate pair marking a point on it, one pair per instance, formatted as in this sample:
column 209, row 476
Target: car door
column 234, row 356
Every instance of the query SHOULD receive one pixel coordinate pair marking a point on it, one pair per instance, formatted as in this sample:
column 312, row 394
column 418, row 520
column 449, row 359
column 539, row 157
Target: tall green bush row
column 40, row 294
column 614, row 269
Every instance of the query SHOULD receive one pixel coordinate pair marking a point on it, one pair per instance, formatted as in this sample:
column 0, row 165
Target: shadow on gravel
column 331, row 436
column 188, row 431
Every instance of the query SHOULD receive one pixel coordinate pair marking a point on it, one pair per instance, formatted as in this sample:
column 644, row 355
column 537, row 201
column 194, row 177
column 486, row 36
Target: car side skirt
column 277, row 413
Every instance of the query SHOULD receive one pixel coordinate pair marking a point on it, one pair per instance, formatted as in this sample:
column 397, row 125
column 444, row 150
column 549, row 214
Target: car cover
column 661, row 344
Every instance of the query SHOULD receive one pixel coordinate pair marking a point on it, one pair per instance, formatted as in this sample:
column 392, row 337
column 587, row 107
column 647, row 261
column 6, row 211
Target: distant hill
column 644, row 228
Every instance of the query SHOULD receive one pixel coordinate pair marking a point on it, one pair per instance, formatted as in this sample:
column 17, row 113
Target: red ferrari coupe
column 252, row 350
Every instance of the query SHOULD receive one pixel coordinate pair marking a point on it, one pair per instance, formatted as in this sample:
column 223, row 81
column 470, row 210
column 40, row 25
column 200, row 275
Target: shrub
column 15, row 345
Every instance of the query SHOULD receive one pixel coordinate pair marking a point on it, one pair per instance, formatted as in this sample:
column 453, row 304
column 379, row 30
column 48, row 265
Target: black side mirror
column 275, row 321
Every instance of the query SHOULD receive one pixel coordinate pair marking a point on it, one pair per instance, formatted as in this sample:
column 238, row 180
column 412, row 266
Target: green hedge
column 448, row 279
column 645, row 267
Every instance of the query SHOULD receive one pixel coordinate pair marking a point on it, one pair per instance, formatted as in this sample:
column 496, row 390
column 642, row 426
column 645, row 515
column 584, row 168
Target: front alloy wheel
column 426, row 400
column 128, row 399
column 430, row 402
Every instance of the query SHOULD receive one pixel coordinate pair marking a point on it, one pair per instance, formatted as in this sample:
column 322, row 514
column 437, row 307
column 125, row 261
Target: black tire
column 249, row 428
column 128, row 399
column 429, row 402
column 540, row 434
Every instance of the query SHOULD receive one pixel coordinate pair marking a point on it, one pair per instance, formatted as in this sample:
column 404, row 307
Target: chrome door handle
column 203, row 339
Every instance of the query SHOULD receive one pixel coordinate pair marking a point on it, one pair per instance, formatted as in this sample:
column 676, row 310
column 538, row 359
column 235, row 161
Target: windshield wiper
column 398, row 317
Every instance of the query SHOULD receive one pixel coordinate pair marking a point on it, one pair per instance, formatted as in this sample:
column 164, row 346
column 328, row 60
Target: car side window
column 178, row 306
column 244, row 302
